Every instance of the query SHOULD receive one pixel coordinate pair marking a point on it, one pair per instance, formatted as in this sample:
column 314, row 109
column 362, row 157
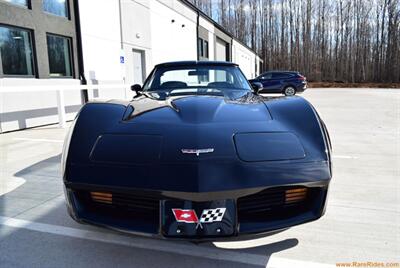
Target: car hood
column 197, row 109
column 144, row 143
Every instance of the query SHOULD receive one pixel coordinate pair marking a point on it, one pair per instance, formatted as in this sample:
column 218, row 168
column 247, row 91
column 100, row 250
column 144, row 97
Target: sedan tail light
column 302, row 78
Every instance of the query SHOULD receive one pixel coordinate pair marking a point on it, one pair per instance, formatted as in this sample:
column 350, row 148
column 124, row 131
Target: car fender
column 301, row 117
column 93, row 119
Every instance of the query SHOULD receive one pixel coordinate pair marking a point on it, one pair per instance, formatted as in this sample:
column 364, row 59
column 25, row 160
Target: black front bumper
column 251, row 211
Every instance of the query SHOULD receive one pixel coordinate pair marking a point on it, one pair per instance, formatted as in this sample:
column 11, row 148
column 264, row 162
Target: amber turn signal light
column 295, row 195
column 101, row 197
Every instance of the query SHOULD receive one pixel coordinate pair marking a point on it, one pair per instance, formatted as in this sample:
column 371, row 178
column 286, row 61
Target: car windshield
column 195, row 79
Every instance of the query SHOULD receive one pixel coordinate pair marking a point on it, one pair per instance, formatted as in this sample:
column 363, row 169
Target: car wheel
column 289, row 91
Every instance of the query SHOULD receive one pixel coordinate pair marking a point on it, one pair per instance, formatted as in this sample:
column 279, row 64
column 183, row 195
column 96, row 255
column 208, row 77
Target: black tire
column 289, row 91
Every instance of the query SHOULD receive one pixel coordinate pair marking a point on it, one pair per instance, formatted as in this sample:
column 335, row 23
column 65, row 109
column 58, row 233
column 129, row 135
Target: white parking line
column 38, row 140
column 183, row 248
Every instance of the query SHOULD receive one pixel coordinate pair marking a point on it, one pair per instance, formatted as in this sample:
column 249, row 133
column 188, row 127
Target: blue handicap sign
column 121, row 59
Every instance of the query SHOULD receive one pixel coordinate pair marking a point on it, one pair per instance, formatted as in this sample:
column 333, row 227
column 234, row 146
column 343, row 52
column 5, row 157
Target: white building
column 117, row 42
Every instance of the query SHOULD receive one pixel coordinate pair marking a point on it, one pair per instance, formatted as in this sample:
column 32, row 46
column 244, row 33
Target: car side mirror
column 257, row 86
column 136, row 88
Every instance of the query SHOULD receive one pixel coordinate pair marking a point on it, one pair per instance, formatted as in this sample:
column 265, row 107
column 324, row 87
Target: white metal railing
column 59, row 89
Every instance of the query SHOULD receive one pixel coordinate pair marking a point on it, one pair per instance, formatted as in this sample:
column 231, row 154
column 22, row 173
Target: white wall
column 20, row 110
column 147, row 26
column 101, row 44
column 245, row 58
column 170, row 41
column 136, row 35
column 151, row 26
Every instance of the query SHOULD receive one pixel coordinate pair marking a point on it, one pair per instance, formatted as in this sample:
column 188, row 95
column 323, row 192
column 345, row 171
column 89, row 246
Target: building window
column 56, row 7
column 17, row 2
column 60, row 58
column 200, row 47
column 205, row 49
column 16, row 55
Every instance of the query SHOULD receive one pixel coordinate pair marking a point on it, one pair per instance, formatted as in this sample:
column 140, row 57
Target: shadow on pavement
column 41, row 200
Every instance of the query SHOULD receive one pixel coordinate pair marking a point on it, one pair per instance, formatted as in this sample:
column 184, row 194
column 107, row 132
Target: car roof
column 200, row 63
column 289, row 72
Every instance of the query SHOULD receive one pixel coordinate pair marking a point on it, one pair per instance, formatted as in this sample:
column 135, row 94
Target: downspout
column 197, row 34
column 81, row 71
column 120, row 24
column 231, row 51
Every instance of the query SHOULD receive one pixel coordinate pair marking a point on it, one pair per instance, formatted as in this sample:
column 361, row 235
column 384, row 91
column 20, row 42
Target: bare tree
column 343, row 40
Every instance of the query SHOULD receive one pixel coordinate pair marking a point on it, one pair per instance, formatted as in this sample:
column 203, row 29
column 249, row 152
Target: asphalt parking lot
column 362, row 222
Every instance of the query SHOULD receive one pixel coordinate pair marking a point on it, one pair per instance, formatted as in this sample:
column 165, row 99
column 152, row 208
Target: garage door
column 220, row 51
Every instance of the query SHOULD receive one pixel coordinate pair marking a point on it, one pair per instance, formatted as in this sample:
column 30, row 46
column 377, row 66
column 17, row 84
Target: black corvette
column 197, row 154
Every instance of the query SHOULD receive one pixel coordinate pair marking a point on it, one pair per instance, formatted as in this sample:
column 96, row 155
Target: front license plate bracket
column 182, row 218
